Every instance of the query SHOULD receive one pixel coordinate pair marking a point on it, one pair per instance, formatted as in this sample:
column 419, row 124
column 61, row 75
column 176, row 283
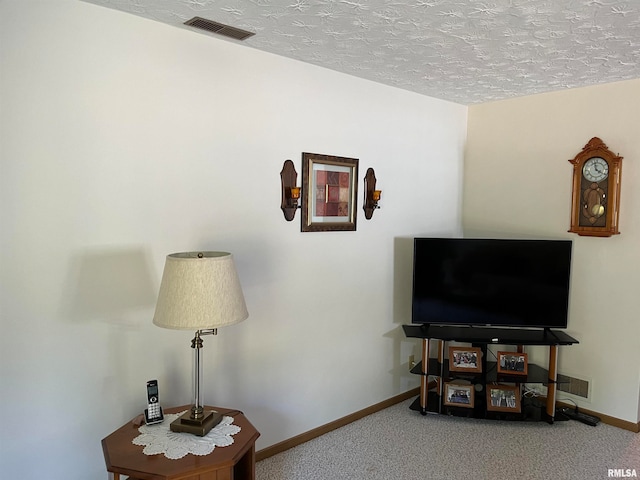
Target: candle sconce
column 371, row 195
column 290, row 192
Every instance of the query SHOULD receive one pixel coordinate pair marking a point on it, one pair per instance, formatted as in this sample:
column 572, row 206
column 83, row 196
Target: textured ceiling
column 464, row 51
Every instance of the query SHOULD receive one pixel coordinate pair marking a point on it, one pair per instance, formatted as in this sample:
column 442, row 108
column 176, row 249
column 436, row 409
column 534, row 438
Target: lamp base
column 197, row 426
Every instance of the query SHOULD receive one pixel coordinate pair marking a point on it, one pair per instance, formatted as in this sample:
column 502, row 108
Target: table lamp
column 199, row 291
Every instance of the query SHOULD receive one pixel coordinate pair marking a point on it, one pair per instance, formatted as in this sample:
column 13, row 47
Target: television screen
column 496, row 282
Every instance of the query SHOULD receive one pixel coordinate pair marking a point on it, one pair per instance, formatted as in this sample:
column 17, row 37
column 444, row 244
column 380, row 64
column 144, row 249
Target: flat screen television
column 491, row 282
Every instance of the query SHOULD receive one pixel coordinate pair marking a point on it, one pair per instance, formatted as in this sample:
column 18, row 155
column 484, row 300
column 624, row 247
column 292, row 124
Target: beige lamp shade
column 199, row 290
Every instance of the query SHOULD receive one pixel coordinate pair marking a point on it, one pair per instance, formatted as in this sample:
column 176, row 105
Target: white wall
column 124, row 140
column 518, row 181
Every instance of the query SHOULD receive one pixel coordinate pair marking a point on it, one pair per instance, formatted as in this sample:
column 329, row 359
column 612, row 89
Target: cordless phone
column 153, row 413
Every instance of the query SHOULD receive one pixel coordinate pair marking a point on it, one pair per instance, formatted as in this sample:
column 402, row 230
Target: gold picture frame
column 465, row 359
column 457, row 395
column 513, row 363
column 503, row 398
column 329, row 193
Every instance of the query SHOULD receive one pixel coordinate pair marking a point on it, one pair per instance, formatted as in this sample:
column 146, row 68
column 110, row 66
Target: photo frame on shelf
column 330, row 193
column 465, row 359
column 457, row 395
column 513, row 363
column 503, row 398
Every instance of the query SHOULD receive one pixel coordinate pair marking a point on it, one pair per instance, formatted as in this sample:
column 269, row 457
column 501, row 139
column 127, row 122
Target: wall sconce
column 371, row 195
column 290, row 193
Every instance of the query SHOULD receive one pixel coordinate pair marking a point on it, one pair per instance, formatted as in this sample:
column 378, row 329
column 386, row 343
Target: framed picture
column 329, row 193
column 503, row 398
column 465, row 359
column 512, row 363
column 456, row 395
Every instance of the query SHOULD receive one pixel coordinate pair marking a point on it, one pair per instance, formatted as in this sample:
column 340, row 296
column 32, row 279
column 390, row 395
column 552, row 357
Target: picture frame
column 457, row 395
column 329, row 193
column 503, row 398
column 465, row 359
column 513, row 363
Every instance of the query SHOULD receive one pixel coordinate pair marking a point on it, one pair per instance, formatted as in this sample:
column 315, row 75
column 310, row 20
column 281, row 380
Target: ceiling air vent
column 219, row 28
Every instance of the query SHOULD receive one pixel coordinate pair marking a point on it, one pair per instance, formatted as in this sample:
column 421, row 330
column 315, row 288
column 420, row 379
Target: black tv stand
column 435, row 371
column 549, row 332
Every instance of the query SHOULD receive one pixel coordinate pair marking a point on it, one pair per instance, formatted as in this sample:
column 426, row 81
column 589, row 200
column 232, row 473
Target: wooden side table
column 235, row 462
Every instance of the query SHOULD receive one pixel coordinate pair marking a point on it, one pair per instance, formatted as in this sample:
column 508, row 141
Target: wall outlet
column 412, row 361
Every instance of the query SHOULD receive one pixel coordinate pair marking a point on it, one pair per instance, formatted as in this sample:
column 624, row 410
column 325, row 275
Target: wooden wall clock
column 595, row 207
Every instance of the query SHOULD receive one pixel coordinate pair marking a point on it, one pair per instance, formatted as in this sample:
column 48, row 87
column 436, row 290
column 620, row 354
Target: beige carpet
column 400, row 444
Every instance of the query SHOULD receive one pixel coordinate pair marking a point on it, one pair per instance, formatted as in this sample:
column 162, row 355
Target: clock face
column 595, row 169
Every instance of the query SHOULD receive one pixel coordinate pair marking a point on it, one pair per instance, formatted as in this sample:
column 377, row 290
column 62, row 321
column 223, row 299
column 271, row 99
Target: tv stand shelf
column 431, row 392
column 536, row 373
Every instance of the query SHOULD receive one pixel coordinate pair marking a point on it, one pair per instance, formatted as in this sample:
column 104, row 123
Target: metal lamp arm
column 197, row 409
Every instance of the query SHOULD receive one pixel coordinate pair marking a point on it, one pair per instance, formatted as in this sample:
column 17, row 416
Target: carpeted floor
column 400, row 444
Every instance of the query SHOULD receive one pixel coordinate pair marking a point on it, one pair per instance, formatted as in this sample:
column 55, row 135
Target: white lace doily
column 160, row 439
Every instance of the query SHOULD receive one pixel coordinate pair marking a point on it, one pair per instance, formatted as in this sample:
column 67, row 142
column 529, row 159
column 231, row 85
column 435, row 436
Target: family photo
column 459, row 395
column 465, row 359
column 512, row 363
column 503, row 398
